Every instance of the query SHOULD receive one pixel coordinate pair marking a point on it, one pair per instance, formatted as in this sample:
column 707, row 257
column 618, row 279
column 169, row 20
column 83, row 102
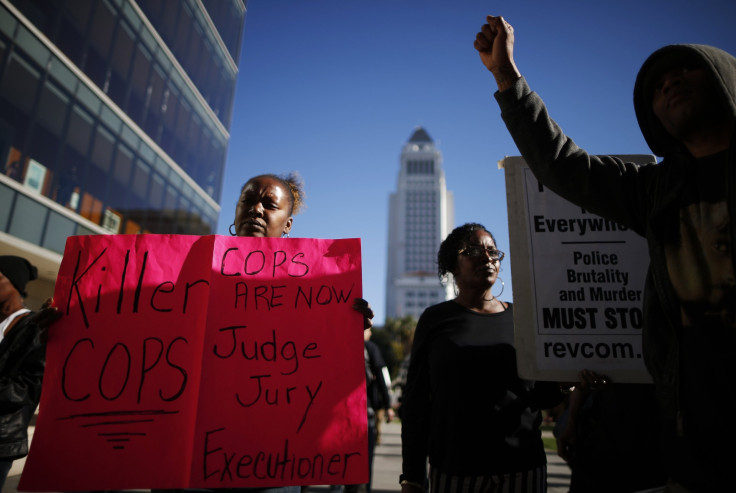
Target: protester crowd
column 465, row 411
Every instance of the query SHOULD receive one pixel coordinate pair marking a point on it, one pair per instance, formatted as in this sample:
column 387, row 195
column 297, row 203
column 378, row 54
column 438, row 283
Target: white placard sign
column 578, row 284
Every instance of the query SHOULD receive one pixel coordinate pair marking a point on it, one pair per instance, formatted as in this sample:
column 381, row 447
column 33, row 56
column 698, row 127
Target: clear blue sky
column 334, row 88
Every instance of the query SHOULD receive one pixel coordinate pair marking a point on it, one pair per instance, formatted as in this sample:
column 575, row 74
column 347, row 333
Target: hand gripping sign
column 202, row 362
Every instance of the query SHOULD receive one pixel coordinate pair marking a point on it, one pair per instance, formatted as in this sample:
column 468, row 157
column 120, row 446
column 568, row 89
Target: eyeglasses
column 478, row 251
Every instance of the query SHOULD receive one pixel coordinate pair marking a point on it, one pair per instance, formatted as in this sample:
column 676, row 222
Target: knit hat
column 18, row 271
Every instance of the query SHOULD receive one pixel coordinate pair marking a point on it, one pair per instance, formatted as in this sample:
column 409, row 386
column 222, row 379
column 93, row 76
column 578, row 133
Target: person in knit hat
column 22, row 361
column 18, row 271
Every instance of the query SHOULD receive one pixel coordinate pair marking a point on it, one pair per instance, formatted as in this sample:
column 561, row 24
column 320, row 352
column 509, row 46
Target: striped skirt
column 531, row 481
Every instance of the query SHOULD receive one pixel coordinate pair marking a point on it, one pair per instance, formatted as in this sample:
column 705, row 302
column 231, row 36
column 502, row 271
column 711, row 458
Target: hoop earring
column 230, row 229
column 284, row 235
column 502, row 286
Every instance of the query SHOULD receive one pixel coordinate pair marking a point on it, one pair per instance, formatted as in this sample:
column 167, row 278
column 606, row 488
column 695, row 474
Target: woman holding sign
column 464, row 405
column 266, row 206
column 265, row 209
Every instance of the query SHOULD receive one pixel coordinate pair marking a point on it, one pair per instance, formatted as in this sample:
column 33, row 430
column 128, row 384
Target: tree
column 398, row 334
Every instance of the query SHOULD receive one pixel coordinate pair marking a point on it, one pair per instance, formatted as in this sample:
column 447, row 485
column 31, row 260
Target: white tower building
column 421, row 215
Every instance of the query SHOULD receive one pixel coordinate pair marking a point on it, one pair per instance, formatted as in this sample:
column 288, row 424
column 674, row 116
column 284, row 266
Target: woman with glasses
column 465, row 408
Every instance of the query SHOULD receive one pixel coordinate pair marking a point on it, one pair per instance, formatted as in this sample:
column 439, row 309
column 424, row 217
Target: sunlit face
column 264, row 209
column 684, row 101
column 477, row 272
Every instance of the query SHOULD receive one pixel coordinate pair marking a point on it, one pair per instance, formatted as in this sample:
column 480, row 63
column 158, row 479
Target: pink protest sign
column 202, row 362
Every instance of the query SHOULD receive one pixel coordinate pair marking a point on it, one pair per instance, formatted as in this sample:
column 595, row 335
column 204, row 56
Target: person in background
column 464, row 405
column 399, row 383
column 382, row 411
column 378, row 397
column 22, row 361
column 685, row 103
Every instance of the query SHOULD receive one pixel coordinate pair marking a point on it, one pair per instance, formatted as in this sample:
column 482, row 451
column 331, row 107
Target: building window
column 52, row 108
column 58, row 229
column 20, row 83
column 28, row 219
column 79, row 130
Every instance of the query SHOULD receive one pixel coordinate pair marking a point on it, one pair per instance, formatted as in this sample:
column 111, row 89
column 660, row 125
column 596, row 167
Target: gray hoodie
column 682, row 206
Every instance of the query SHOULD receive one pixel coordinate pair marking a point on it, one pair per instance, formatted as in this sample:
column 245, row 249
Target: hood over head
column 720, row 64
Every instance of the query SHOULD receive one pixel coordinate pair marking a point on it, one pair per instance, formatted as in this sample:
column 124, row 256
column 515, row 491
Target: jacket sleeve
column 20, row 380
column 604, row 185
column 416, row 407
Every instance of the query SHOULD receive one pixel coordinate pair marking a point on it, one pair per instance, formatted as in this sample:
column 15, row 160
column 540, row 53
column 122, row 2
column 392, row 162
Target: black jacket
column 22, row 361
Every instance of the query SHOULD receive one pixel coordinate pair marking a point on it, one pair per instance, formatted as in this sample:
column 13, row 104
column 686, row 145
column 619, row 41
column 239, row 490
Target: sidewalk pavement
column 386, row 467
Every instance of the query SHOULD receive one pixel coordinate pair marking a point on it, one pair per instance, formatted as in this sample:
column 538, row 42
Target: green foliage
column 550, row 443
column 385, row 344
column 395, row 339
column 401, row 329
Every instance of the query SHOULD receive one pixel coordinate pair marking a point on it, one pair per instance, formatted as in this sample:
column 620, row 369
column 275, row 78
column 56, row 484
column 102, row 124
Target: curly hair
column 292, row 183
column 456, row 241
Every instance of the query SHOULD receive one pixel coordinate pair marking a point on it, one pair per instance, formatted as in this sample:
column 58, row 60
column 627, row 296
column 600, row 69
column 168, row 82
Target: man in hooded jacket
column 22, row 361
column 685, row 102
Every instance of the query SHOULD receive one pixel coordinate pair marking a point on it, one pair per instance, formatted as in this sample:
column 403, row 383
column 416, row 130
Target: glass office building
column 114, row 118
